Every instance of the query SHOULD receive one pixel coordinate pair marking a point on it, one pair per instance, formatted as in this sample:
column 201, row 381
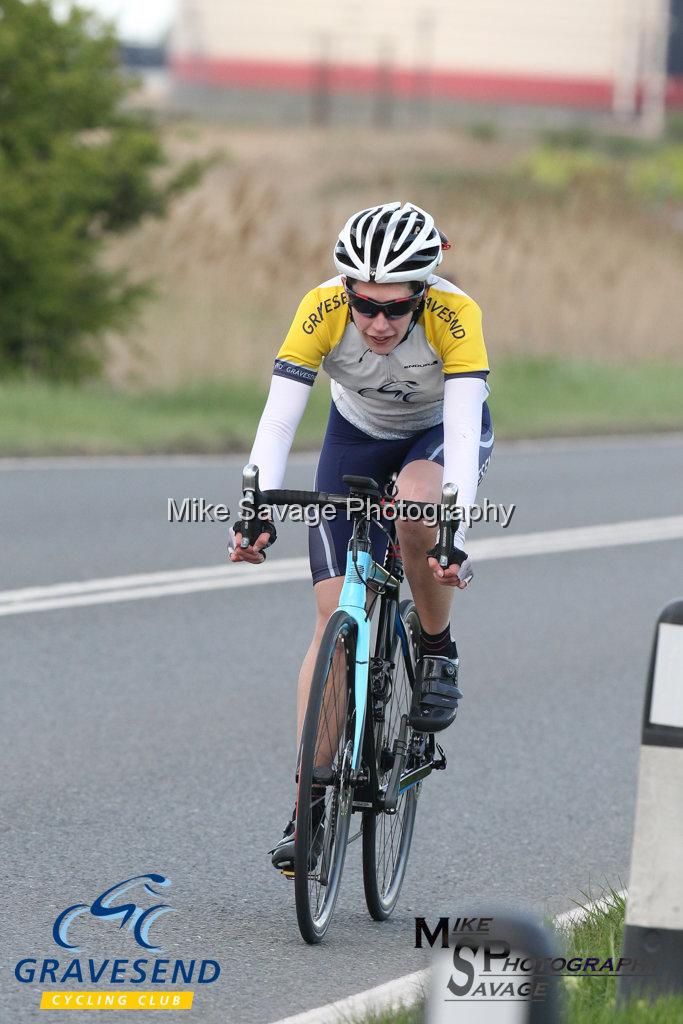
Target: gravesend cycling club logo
column 138, row 920
column 127, row 914
column 401, row 389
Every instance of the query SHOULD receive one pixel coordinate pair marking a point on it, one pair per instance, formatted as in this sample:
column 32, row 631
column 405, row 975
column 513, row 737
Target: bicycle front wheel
column 324, row 798
column 387, row 837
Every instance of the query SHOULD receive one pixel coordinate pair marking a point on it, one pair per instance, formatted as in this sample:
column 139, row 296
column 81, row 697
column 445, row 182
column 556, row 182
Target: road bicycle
column 358, row 752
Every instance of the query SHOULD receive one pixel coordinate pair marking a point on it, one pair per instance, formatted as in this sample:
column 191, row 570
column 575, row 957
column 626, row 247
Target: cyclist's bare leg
column 326, row 598
column 421, row 481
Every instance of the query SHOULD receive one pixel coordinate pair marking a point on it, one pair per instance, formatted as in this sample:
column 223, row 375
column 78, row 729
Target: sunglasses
column 392, row 310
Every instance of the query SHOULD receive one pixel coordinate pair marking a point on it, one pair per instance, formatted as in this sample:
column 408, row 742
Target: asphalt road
column 158, row 735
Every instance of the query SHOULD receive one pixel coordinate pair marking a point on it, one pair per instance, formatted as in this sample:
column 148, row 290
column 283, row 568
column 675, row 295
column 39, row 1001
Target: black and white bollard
column 653, row 933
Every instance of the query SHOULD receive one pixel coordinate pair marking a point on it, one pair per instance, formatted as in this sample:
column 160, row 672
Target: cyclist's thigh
column 348, row 450
column 429, row 446
column 327, row 593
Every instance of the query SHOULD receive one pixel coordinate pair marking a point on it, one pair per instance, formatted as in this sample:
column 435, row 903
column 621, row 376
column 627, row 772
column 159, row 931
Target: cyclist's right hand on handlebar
column 254, row 553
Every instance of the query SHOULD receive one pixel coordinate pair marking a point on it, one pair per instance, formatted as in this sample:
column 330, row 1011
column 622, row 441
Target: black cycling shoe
column 436, row 694
column 283, row 852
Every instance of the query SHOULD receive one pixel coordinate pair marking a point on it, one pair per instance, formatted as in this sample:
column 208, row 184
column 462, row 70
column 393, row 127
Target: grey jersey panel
column 387, row 396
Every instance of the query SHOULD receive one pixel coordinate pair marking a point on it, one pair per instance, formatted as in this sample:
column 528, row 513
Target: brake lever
column 445, row 542
column 251, row 494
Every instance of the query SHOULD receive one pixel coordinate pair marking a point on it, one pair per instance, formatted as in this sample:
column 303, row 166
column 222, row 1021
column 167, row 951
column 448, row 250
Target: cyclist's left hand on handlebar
column 454, row 575
column 254, row 553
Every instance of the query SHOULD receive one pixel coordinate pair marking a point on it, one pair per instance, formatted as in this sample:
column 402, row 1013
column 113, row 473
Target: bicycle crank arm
column 400, row 750
column 438, row 764
column 416, row 775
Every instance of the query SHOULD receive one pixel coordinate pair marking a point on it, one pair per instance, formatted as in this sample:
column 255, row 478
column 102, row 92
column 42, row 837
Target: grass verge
column 531, row 397
column 593, row 1001
column 586, row 1001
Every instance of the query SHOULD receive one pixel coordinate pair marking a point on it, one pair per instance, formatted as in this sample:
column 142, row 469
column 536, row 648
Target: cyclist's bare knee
column 418, row 481
column 326, row 598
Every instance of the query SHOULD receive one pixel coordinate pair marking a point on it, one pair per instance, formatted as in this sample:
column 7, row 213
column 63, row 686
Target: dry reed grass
column 584, row 276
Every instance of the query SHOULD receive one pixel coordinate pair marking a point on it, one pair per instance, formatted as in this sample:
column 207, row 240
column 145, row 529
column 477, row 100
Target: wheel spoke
column 321, row 847
column 388, row 837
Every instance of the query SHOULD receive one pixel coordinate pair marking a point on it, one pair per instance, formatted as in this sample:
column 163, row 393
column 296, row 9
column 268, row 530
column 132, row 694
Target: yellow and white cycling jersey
column 390, row 395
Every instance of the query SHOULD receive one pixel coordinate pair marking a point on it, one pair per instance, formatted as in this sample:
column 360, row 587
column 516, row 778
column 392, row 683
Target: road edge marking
column 136, row 587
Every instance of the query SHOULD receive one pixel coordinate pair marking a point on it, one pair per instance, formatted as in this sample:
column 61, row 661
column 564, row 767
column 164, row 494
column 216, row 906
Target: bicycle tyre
column 330, row 710
column 385, row 853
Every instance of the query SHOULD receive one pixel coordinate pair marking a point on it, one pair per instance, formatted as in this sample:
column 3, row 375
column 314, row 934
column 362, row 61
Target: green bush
column 674, row 126
column 558, row 170
column 74, row 168
column 659, row 176
column 483, row 131
column 574, row 137
column 653, row 173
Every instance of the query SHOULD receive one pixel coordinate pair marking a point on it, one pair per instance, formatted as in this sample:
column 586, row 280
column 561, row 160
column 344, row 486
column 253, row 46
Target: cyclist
column 408, row 366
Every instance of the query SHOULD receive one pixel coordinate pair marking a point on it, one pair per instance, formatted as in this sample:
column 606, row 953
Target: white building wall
column 577, row 39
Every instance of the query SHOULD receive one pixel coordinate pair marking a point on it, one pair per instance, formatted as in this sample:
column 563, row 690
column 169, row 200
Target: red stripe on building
column 483, row 87
column 674, row 92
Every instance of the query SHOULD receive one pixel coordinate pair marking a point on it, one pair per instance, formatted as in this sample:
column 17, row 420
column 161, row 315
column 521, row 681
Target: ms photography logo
column 138, row 920
column 488, row 964
column 124, row 907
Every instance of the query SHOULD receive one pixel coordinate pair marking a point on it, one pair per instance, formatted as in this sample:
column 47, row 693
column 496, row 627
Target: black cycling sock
column 439, row 644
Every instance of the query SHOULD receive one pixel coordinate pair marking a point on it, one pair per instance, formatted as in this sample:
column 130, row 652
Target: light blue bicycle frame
column 352, row 601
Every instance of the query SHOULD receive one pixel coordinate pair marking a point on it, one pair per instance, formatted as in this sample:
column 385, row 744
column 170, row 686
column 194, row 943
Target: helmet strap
column 416, row 316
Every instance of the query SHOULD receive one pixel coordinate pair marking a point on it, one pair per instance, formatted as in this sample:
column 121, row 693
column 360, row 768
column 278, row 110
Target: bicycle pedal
column 286, row 873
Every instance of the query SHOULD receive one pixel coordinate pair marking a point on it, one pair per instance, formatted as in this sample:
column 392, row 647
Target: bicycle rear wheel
column 387, row 837
column 324, row 785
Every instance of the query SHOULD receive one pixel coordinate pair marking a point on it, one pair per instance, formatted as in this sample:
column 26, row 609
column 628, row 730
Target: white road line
column 171, row 576
column 141, row 586
column 569, row 918
column 184, row 582
column 390, row 996
column 141, row 593
column 579, row 538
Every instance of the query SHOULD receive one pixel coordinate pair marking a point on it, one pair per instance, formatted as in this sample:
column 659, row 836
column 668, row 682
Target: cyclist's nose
column 381, row 323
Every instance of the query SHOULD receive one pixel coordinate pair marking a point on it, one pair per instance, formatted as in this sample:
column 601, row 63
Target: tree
column 74, row 167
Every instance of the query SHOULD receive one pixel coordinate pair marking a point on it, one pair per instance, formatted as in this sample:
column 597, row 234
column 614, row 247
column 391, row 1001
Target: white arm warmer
column 462, row 402
column 281, row 416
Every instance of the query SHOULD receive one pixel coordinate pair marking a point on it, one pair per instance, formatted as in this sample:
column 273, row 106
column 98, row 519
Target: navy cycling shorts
column 348, row 450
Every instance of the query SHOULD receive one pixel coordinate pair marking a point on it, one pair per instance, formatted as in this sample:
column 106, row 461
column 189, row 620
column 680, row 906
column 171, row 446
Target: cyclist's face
column 380, row 334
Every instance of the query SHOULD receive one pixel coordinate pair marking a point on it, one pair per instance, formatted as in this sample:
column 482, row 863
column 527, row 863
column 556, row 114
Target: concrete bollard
column 653, row 933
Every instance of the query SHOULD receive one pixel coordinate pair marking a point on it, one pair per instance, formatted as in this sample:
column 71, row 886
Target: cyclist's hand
column 254, row 553
column 455, row 575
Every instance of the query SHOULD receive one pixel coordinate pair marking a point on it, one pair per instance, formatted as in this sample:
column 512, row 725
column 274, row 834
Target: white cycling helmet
column 389, row 243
